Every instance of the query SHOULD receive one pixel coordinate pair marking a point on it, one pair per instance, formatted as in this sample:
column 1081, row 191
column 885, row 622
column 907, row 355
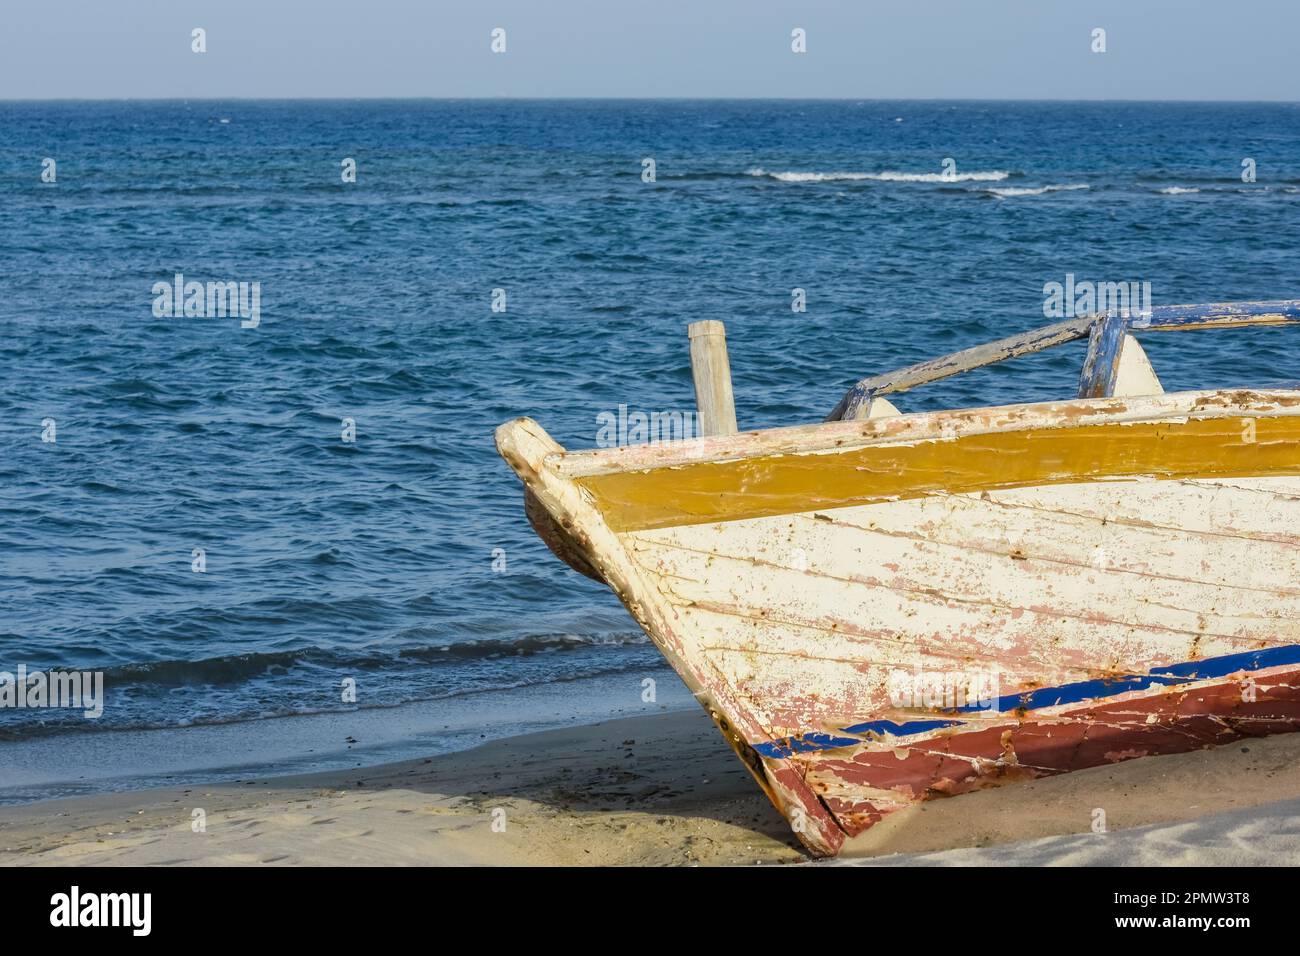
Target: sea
column 283, row 536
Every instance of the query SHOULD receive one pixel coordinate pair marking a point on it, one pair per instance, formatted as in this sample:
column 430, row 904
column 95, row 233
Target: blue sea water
column 381, row 559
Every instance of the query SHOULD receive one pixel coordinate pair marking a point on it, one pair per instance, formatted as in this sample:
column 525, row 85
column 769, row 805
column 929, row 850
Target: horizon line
column 633, row 99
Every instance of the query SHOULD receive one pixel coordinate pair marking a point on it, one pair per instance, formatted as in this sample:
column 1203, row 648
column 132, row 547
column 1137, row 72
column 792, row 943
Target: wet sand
column 664, row 789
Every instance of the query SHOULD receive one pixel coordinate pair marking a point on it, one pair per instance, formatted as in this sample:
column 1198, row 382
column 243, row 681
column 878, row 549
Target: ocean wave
column 34, row 724
column 1177, row 190
column 533, row 644
column 235, row 668
column 887, row 176
column 238, row 688
column 1011, row 191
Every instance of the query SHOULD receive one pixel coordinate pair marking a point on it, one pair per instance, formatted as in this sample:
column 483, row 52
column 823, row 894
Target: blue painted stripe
column 1223, row 666
column 804, row 744
column 899, row 730
column 1076, row 693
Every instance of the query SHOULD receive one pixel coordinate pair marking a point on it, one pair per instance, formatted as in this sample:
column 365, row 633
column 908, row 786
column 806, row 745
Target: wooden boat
column 884, row 608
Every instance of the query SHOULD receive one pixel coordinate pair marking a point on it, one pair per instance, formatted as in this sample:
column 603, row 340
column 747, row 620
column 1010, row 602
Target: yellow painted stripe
column 794, row 483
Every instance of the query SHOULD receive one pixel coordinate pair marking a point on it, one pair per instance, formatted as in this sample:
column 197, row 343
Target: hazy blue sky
column 1015, row 49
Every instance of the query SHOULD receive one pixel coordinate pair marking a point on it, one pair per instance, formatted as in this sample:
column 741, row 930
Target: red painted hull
column 1174, row 720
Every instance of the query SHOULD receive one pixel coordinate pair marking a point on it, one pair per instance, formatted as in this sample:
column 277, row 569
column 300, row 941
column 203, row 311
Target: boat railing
column 1106, row 333
column 1109, row 337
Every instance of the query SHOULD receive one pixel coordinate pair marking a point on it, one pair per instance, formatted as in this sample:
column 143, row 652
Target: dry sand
column 665, row 790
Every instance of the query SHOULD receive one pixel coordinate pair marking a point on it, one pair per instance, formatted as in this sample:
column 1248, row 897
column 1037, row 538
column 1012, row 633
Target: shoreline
column 663, row 789
column 133, row 759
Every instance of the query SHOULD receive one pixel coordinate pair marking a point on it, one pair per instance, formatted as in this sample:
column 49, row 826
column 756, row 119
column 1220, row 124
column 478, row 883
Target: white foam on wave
column 1010, row 191
column 1178, row 190
column 888, row 176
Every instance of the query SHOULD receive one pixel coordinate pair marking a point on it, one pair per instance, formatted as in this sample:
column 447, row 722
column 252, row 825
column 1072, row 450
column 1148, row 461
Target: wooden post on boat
column 712, row 373
column 1101, row 366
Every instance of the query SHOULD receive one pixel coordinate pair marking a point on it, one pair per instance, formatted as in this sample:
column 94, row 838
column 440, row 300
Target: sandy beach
column 664, row 790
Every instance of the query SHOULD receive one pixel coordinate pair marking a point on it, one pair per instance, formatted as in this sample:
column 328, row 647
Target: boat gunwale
column 910, row 428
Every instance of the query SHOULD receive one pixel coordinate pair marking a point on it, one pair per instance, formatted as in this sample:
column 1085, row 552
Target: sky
column 859, row 49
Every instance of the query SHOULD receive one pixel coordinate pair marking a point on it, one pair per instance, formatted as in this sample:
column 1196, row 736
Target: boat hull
column 861, row 783
column 876, row 613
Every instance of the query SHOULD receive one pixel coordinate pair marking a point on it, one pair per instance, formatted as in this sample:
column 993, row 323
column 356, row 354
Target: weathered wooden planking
column 903, row 580
column 1203, row 510
column 1023, row 647
column 925, row 426
column 794, row 601
column 796, row 678
column 1168, row 448
column 983, row 523
column 785, row 639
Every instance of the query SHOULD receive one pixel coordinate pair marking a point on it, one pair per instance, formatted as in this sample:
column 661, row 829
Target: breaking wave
column 237, row 667
column 1008, row 192
column 887, row 176
column 256, row 686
